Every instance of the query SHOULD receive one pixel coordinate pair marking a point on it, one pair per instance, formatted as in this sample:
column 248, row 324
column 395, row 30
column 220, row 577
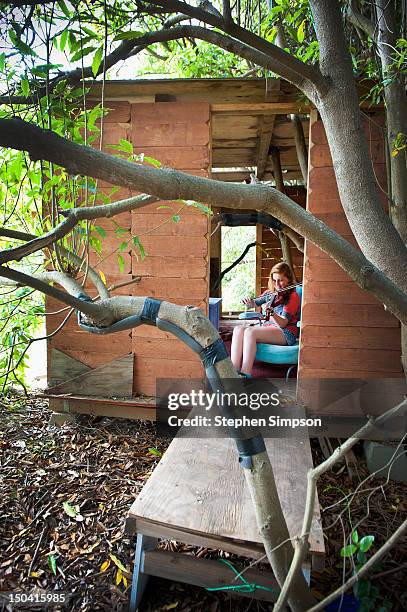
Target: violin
column 274, row 295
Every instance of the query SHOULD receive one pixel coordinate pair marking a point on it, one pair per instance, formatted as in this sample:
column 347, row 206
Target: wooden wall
column 176, row 261
column 346, row 333
column 271, row 244
column 178, row 135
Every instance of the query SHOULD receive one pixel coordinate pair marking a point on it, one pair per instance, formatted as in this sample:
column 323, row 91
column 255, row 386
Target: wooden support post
column 301, row 147
column 140, row 578
column 278, row 173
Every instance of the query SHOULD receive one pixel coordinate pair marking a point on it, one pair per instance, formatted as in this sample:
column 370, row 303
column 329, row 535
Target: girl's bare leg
column 237, row 346
column 253, row 335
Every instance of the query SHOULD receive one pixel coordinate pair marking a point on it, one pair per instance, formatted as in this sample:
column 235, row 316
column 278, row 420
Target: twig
column 36, row 551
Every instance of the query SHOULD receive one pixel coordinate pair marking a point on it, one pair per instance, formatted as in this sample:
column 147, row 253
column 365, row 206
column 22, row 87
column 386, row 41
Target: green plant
column 364, row 590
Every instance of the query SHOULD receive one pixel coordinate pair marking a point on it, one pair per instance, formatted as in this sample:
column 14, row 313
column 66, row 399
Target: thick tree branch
column 88, row 308
column 168, row 184
column 306, row 77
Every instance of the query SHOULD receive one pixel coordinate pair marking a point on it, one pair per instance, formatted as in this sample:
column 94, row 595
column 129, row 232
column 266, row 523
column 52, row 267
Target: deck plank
column 199, row 487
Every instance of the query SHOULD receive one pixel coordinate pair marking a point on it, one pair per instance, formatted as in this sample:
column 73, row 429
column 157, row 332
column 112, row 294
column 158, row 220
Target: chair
column 281, row 355
column 273, row 353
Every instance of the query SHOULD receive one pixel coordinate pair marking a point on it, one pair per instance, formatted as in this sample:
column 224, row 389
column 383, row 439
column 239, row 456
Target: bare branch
column 73, row 217
column 313, row 475
column 169, row 184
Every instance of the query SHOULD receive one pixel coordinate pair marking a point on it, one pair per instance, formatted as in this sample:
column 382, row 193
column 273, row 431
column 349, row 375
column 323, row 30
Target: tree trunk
column 395, row 98
column 357, row 187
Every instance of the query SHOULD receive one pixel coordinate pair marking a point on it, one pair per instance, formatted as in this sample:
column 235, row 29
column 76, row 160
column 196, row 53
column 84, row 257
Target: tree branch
column 360, row 21
column 169, row 184
column 93, row 275
column 313, row 475
column 90, row 309
column 306, row 77
column 73, row 217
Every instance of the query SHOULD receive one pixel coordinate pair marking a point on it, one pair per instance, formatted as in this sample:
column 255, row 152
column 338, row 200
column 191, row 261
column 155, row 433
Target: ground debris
column 66, row 493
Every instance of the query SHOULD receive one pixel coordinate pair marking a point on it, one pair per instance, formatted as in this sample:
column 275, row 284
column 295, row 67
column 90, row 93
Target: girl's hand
column 248, row 301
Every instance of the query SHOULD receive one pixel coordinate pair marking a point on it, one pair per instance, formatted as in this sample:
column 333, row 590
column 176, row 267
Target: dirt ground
column 65, row 494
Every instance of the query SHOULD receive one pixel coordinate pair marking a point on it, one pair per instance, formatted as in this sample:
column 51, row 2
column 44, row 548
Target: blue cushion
column 273, row 353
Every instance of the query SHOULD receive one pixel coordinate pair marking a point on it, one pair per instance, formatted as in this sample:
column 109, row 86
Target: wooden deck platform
column 198, row 495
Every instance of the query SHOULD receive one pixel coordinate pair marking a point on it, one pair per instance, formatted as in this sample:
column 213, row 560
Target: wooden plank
column 335, row 315
column 306, row 372
column 179, row 246
column 262, row 108
column 350, row 337
column 172, row 267
column 164, row 133
column 92, row 358
column 162, row 224
column 206, row 573
column 173, row 288
column 373, row 132
column 182, row 158
column 63, row 367
column 161, row 368
column 322, row 181
column 78, row 339
column 351, row 359
column 113, row 378
column 331, row 292
column 166, row 349
column 321, row 157
column 103, row 407
column 212, row 498
column 169, row 112
column 118, row 112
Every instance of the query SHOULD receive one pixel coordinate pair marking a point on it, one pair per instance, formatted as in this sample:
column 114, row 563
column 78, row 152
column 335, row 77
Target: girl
column 284, row 309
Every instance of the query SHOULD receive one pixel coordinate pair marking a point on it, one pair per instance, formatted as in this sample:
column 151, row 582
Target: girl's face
column 280, row 281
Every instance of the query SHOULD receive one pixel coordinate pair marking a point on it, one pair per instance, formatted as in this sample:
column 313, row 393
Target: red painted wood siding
column 346, row 333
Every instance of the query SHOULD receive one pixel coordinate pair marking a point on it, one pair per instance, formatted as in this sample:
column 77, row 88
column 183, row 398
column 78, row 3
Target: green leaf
column 139, row 246
column 63, row 39
column 152, row 161
column 128, row 35
column 2, row 61
column 19, row 44
column 81, row 53
column 347, row 551
column 121, row 263
column 64, row 8
column 301, row 31
column 52, row 563
column 25, row 87
column 123, row 246
column 155, row 451
column 100, row 231
column 70, row 511
column 355, row 537
column 96, row 244
column 198, row 205
column 366, row 542
column 97, row 59
column 176, row 218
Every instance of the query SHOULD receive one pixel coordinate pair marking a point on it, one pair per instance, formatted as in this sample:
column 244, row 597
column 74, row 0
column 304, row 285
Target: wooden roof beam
column 262, row 108
column 266, row 128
